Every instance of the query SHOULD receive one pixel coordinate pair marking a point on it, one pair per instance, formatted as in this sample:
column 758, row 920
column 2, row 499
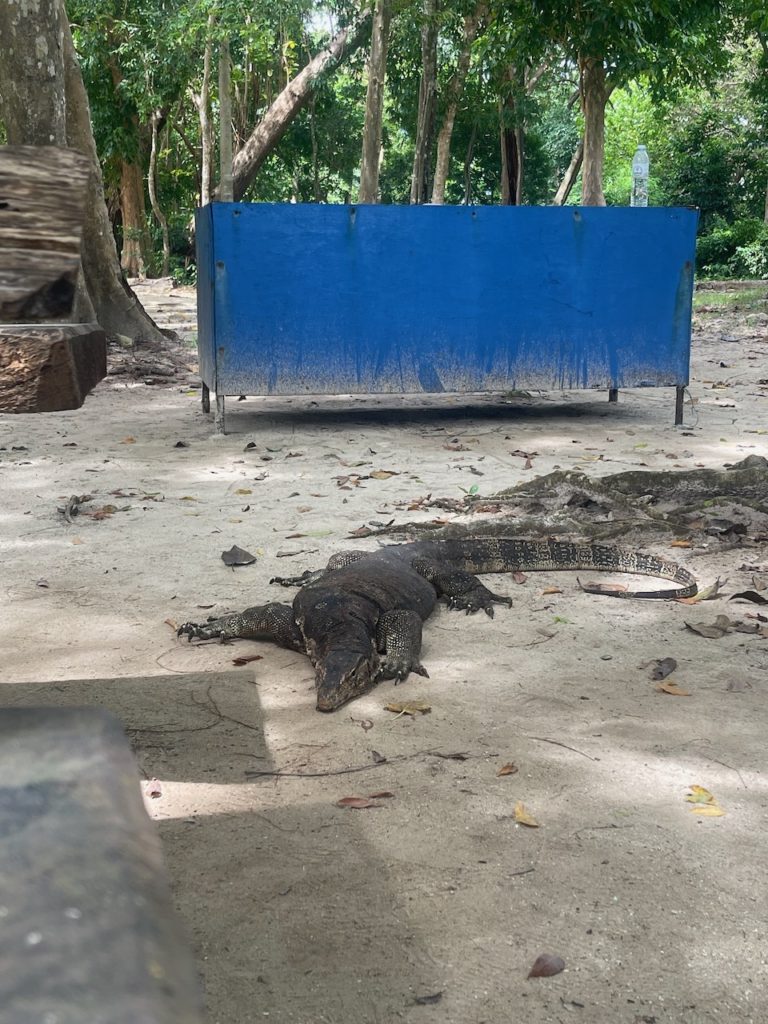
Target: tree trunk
column 117, row 309
column 455, row 90
column 162, row 220
column 468, row 165
column 425, row 123
column 594, row 96
column 57, row 91
column 374, row 104
column 316, row 190
column 225, row 124
column 765, row 213
column 134, row 217
column 512, row 143
column 202, row 101
column 290, row 101
column 570, row 176
column 32, row 89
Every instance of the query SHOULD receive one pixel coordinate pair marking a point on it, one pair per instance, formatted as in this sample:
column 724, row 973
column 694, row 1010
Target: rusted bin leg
column 218, row 416
column 206, row 398
column 613, row 394
column 88, row 932
column 679, row 400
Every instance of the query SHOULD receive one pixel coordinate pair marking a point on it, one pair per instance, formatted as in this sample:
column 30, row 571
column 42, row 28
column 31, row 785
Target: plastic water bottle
column 640, row 168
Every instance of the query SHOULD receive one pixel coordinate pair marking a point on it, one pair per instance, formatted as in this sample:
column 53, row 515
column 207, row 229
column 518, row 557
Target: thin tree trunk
column 468, row 165
column 425, row 123
column 512, row 143
column 225, row 124
column 162, row 220
column 117, row 309
column 202, row 101
column 765, row 213
column 594, row 96
column 290, row 101
column 316, row 190
column 570, row 176
column 133, row 210
column 455, row 90
column 374, row 104
column 134, row 218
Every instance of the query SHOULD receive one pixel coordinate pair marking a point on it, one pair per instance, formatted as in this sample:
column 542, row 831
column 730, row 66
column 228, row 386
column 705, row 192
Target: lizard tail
column 512, row 554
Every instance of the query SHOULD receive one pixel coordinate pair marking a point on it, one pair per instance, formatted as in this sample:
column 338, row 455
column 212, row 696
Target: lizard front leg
column 460, row 589
column 273, row 622
column 398, row 638
column 338, row 561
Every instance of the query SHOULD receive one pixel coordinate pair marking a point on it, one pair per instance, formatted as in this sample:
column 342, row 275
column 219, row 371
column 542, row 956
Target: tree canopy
column 458, row 101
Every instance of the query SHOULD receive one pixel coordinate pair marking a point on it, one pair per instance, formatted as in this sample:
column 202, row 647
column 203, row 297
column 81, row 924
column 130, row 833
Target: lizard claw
column 399, row 669
column 476, row 599
column 294, row 581
column 196, row 631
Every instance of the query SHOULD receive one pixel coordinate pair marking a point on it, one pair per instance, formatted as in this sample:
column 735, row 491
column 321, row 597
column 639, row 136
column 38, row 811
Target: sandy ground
column 301, row 912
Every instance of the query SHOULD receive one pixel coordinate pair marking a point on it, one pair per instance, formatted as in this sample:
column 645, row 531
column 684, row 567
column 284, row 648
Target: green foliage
column 734, row 250
column 708, row 143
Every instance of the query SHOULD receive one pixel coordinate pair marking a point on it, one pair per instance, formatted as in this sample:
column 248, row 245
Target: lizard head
column 343, row 675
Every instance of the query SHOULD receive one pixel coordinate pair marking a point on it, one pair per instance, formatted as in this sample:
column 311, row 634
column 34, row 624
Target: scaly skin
column 360, row 620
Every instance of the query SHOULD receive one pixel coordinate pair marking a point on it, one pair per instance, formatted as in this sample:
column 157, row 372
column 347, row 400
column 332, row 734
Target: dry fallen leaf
column 428, row 1000
column 408, row 707
column 522, row 817
column 383, row 795
column 707, row 594
column 237, row 556
column 364, row 723
column 128, row 440
column 546, row 965
column 243, row 490
column 361, row 531
column 383, row 474
column 663, row 667
column 673, row 689
column 519, row 577
column 750, row 595
column 704, row 802
column 174, row 625
column 551, row 590
column 356, row 803
column 681, row 544
column 712, row 630
column 507, row 769
column 605, row 588
column 700, row 795
column 246, row 659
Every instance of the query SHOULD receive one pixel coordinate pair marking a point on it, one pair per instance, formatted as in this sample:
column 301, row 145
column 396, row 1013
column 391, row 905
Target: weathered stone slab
column 42, row 202
column 50, row 367
column 88, row 932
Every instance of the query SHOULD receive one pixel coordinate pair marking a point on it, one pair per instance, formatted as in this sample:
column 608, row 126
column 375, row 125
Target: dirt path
column 301, row 912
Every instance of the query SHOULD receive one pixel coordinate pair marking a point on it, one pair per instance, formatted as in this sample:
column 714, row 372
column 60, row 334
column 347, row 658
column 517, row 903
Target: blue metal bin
column 314, row 299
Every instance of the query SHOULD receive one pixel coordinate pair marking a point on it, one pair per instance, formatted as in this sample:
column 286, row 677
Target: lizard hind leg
column 273, row 622
column 460, row 589
column 398, row 639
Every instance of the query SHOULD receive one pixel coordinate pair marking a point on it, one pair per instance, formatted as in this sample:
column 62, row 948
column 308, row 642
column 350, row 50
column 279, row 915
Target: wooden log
column 50, row 367
column 42, row 205
column 89, row 931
